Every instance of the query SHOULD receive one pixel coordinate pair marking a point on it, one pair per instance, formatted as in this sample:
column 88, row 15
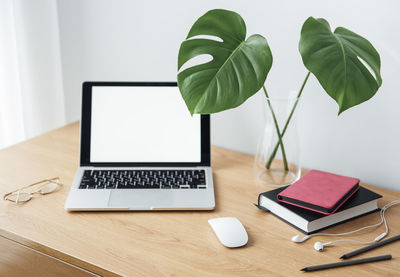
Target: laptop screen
column 142, row 124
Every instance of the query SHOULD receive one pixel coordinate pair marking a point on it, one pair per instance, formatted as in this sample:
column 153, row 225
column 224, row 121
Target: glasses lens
column 48, row 188
column 19, row 197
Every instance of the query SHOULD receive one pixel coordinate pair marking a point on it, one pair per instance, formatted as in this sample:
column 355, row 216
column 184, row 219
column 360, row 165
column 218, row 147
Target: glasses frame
column 55, row 180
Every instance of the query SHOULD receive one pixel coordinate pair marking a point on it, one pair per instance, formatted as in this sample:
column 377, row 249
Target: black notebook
column 361, row 203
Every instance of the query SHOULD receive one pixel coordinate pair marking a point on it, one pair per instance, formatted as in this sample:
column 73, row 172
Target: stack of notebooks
column 319, row 200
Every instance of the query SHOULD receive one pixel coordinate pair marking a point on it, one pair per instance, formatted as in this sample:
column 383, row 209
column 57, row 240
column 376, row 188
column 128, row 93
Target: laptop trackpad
column 141, row 199
column 146, row 199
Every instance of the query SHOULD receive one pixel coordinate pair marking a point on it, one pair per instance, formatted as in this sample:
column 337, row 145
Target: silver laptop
column 141, row 150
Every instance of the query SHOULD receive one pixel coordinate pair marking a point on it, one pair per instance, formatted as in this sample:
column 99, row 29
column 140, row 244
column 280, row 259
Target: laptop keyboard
column 143, row 179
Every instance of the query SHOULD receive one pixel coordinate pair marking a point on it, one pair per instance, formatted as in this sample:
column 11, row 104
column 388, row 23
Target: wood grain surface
column 19, row 260
column 169, row 243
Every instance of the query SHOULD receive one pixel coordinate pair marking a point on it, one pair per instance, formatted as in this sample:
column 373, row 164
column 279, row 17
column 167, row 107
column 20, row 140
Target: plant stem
column 271, row 158
column 278, row 132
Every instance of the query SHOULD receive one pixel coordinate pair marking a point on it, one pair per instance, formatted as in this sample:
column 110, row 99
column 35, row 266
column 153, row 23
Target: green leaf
column 346, row 64
column 238, row 68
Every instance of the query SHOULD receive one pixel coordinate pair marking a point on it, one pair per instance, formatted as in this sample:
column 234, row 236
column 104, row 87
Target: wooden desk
column 43, row 234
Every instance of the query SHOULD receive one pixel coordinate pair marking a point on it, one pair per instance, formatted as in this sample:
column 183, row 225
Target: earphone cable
column 383, row 220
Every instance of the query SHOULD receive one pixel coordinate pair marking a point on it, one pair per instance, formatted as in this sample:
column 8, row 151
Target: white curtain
column 31, row 94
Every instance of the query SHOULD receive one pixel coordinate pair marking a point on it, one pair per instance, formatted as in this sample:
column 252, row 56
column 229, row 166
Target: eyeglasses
column 45, row 186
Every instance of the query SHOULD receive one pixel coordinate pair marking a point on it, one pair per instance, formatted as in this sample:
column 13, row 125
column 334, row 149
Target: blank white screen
column 142, row 124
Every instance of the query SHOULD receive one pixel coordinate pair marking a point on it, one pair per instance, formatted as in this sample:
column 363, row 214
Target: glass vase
column 275, row 165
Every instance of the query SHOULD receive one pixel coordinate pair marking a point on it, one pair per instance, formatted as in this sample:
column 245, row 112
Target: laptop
column 141, row 150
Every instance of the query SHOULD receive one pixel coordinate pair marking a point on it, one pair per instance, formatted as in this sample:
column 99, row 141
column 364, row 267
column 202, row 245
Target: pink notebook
column 320, row 191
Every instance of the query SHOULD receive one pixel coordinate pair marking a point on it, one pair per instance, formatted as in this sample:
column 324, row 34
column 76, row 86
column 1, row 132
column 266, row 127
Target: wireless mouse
column 229, row 231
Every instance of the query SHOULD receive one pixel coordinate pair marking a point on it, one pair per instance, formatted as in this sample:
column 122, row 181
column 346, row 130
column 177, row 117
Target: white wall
column 40, row 73
column 139, row 41
column 31, row 89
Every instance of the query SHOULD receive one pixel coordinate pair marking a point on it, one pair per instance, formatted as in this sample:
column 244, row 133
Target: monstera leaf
column 346, row 64
column 238, row 68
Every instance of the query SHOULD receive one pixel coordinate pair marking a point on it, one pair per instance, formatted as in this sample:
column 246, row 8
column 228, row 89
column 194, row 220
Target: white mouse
column 230, row 232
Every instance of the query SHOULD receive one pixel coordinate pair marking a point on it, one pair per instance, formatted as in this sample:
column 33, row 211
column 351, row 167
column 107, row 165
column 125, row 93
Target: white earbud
column 318, row 246
column 299, row 239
